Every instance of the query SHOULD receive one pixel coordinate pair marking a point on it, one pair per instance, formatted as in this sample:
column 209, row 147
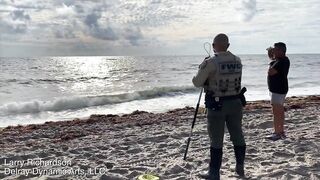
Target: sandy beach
column 123, row 147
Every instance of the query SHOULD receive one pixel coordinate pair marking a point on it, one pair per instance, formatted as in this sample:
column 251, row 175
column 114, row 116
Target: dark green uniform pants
column 230, row 114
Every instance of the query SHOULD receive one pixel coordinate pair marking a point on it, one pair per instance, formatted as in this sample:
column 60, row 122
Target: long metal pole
column 194, row 120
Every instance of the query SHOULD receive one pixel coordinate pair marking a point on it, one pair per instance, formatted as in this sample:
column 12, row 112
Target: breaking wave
column 79, row 102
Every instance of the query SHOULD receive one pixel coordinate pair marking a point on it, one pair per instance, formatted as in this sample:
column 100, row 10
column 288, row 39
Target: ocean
column 39, row 89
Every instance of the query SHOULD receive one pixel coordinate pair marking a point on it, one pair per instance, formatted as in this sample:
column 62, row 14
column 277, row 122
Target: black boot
column 215, row 164
column 240, row 152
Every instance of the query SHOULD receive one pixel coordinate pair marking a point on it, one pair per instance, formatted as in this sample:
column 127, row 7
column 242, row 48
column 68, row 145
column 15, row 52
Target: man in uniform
column 220, row 75
column 278, row 87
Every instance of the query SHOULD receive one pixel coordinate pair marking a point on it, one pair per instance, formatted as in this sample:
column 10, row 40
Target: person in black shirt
column 278, row 87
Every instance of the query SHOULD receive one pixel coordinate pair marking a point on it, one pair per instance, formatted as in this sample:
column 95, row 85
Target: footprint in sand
column 277, row 174
column 265, row 125
column 265, row 163
column 139, row 169
column 133, row 175
column 119, row 171
column 284, row 154
column 110, row 177
column 74, row 151
column 134, row 151
column 176, row 169
column 42, row 154
column 162, row 145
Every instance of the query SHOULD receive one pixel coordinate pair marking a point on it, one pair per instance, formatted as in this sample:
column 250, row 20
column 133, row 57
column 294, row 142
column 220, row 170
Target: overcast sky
column 155, row 27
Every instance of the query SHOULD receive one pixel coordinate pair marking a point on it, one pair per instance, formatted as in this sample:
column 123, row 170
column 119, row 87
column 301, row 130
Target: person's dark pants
column 231, row 115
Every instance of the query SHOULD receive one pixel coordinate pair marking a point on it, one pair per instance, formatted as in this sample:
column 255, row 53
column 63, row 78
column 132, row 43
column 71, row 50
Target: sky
column 155, row 27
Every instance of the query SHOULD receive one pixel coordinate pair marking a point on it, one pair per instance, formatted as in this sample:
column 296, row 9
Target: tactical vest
column 227, row 78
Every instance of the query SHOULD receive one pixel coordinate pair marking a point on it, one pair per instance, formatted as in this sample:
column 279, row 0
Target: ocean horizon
column 40, row 89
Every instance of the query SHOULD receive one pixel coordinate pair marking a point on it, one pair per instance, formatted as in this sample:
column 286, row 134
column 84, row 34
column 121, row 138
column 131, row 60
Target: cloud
column 150, row 13
column 66, row 33
column 65, row 10
column 133, row 34
column 4, row 2
column 78, row 8
column 143, row 24
column 247, row 9
column 112, row 20
column 96, row 29
column 16, row 22
column 155, row 1
column 104, row 33
column 91, row 20
column 10, row 28
column 20, row 15
column 26, row 4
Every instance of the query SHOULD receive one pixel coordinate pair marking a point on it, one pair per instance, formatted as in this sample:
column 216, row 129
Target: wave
column 73, row 103
column 304, row 84
column 30, row 81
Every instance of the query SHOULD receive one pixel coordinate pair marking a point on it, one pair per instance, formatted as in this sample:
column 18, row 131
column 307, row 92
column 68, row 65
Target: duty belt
column 227, row 97
column 210, row 98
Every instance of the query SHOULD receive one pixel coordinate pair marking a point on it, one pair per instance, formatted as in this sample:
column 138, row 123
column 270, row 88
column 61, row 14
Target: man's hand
column 204, row 63
column 272, row 71
column 270, row 53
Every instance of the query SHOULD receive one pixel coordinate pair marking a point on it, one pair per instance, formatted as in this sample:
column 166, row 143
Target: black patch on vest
column 230, row 67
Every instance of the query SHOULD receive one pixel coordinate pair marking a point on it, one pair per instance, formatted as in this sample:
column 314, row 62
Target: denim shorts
column 277, row 98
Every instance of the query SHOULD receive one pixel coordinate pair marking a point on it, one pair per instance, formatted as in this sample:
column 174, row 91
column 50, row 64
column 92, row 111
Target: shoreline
column 124, row 147
column 292, row 102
